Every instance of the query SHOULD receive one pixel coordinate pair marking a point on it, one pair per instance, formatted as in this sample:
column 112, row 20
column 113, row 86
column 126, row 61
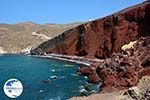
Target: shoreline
column 73, row 59
column 67, row 58
column 141, row 90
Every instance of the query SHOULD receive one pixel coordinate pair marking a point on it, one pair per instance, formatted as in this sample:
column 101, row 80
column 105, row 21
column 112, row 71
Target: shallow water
column 63, row 82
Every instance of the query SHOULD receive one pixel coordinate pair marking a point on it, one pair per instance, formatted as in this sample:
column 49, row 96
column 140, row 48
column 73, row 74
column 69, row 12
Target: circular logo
column 13, row 88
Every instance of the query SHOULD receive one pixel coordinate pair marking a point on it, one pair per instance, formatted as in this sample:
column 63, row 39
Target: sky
column 59, row 11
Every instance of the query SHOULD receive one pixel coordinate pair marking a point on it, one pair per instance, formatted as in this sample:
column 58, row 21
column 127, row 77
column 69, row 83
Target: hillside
column 101, row 37
column 15, row 38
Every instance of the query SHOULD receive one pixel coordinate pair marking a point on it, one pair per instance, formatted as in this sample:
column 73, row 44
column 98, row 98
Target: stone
column 85, row 70
column 147, row 94
column 133, row 94
column 94, row 78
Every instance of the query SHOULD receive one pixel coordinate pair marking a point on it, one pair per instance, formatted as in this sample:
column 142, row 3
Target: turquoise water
column 32, row 71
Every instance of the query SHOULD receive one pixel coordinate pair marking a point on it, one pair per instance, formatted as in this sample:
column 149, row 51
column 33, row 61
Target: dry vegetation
column 15, row 37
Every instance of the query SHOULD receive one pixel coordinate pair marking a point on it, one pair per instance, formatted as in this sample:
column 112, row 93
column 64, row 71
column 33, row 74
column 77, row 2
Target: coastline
column 82, row 63
column 138, row 92
column 47, row 74
column 116, row 95
column 73, row 59
column 126, row 61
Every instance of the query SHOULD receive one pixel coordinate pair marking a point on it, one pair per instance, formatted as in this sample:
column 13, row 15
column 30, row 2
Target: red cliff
column 102, row 37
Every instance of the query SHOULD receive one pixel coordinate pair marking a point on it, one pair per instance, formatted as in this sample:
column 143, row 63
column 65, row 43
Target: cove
column 42, row 79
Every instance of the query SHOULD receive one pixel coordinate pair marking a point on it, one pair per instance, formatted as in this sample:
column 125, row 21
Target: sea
column 43, row 79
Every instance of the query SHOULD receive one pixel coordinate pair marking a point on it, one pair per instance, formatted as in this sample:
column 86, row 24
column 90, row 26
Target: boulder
column 85, row 70
column 94, row 78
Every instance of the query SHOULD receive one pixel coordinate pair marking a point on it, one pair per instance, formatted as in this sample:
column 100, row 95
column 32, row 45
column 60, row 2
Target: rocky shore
column 120, row 74
column 120, row 40
column 122, row 70
column 139, row 92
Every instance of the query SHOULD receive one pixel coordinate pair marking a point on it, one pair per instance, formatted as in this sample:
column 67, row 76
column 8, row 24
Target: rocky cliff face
column 102, row 37
column 122, row 70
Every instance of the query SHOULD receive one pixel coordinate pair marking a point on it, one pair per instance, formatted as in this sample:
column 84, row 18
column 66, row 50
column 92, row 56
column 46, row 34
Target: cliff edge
column 102, row 37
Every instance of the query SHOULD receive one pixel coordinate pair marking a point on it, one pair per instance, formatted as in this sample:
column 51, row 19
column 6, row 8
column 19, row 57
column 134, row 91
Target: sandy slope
column 17, row 37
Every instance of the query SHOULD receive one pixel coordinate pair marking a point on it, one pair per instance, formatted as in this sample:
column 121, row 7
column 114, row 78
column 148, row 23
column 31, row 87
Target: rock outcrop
column 102, row 37
column 139, row 92
column 122, row 40
column 122, row 70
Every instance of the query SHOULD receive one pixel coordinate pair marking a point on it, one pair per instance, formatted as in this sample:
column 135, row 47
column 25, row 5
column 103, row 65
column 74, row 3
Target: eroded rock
column 122, row 70
column 102, row 37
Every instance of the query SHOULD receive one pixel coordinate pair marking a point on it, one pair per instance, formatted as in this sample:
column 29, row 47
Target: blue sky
column 59, row 11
